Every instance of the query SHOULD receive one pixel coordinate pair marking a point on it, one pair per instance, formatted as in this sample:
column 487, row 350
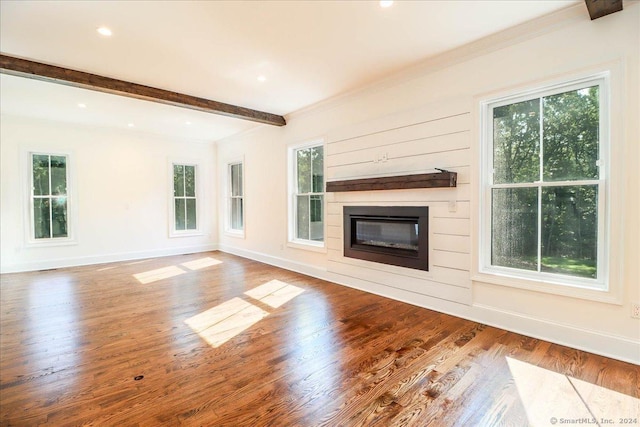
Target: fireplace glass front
column 396, row 235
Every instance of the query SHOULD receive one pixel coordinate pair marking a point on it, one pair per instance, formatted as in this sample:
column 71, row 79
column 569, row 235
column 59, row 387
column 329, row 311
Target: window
column 184, row 197
column 307, row 195
column 236, row 197
column 49, row 201
column 544, row 190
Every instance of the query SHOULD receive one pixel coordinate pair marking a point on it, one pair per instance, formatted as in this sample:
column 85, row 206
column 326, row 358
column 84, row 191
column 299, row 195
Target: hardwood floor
column 217, row 340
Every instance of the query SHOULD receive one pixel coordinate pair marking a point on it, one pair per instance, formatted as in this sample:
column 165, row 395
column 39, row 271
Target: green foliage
column 309, row 181
column 569, row 126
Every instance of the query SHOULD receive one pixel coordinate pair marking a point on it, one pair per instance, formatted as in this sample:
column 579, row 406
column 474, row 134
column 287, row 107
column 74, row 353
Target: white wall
column 553, row 48
column 121, row 186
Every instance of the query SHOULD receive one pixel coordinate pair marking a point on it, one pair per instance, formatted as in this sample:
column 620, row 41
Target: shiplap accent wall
column 436, row 136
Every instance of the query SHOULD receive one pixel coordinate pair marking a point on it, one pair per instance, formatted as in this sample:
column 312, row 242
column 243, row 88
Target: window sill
column 48, row 243
column 238, row 234
column 308, row 246
column 190, row 233
column 548, row 286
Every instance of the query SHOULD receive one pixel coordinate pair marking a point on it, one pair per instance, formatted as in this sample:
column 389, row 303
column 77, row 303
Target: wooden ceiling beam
column 51, row 73
column 599, row 8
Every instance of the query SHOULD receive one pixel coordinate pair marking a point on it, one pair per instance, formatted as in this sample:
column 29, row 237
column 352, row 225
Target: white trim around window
column 602, row 284
column 185, row 193
column 307, row 223
column 57, row 226
column 235, row 201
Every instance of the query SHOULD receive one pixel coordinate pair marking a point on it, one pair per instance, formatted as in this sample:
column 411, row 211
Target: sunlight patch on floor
column 158, row 274
column 201, row 263
column 551, row 398
column 274, row 293
column 219, row 324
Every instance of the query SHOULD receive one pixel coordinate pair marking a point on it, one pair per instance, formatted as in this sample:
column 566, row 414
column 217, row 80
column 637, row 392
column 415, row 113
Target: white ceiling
column 308, row 51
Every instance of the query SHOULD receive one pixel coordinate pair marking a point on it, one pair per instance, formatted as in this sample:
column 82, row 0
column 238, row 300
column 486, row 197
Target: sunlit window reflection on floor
column 219, row 324
column 106, row 268
column 201, row 263
column 548, row 395
column 223, row 322
column 274, row 293
column 158, row 274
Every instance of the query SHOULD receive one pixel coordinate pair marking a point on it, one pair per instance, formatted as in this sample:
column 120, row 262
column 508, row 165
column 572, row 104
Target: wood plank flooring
column 224, row 341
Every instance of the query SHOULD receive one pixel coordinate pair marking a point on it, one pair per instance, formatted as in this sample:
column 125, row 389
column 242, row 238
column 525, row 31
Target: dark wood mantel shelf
column 425, row 180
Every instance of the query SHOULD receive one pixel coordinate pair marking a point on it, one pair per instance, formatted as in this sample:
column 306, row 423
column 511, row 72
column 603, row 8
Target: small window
column 307, row 198
column 184, row 197
column 544, row 193
column 49, row 197
column 236, row 197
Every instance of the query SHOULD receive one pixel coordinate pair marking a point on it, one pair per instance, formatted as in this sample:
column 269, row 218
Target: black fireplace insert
column 396, row 235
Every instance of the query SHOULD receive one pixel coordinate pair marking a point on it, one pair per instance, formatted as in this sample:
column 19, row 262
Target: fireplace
column 396, row 235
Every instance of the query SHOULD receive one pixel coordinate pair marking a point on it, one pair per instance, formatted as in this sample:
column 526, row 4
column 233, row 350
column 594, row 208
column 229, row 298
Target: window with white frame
column 236, row 197
column 184, row 198
column 49, row 197
column 307, row 194
column 544, row 184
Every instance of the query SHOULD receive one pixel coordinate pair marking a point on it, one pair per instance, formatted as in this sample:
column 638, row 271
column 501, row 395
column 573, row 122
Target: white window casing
column 540, row 276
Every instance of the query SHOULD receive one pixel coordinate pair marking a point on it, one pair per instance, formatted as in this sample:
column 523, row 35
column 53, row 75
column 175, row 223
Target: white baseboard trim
column 298, row 267
column 615, row 347
column 104, row 258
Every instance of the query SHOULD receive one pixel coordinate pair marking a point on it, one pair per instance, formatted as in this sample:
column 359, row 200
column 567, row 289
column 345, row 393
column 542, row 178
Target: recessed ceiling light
column 187, row 123
column 81, row 105
column 386, row 3
column 104, row 31
column 262, row 79
column 131, row 125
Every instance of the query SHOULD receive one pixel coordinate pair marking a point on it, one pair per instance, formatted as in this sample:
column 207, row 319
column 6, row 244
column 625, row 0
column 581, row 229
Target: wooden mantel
column 444, row 179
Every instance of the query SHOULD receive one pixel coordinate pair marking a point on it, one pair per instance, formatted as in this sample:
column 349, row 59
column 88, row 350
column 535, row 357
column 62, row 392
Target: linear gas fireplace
column 396, row 235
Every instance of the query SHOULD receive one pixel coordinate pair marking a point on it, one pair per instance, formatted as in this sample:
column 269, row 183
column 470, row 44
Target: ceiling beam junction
column 599, row 8
column 50, row 73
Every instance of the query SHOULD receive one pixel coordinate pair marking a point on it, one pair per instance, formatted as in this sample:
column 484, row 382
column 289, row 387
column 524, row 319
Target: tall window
column 544, row 195
column 308, row 194
column 184, row 197
column 49, row 204
column 236, row 197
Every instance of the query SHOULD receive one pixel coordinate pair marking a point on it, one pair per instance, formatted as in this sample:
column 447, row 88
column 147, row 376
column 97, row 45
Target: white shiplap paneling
column 436, row 136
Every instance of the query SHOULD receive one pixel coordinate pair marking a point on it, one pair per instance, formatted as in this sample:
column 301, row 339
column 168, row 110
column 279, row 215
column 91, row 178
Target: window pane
column 236, row 180
column 571, row 127
column 191, row 214
column 516, row 142
column 302, row 217
column 59, row 216
column 41, row 220
column 41, row 175
column 316, row 231
column 303, row 159
column 178, row 180
column 190, row 181
column 179, row 214
column 570, row 230
column 58, row 175
column 317, row 158
column 514, row 228
column 236, row 214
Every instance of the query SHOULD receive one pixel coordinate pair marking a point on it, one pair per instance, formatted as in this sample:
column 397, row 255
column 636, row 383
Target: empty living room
column 320, row 213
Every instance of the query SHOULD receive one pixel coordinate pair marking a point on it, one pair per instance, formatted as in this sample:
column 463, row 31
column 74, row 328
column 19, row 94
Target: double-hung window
column 236, row 197
column 184, row 198
column 544, row 185
column 49, row 197
column 307, row 195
